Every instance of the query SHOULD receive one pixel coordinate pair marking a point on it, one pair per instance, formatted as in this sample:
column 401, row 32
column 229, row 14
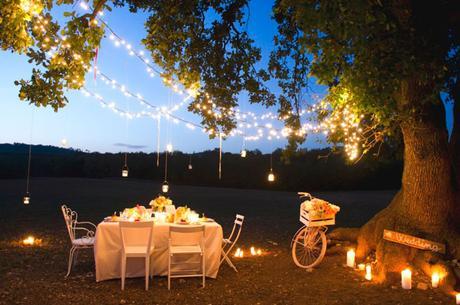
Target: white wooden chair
column 230, row 241
column 191, row 242
column 81, row 234
column 140, row 246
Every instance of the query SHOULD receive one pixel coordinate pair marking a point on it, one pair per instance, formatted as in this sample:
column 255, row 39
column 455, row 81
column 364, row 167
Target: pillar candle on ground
column 368, row 275
column 406, row 279
column 351, row 258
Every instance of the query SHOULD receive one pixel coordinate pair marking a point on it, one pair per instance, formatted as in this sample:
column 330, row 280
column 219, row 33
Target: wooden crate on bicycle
column 317, row 213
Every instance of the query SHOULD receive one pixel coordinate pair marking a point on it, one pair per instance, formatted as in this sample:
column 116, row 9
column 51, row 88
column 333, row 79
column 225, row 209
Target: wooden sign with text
column 414, row 242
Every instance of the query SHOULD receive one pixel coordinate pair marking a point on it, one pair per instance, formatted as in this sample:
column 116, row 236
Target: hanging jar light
column 271, row 175
column 165, row 187
column 26, row 198
column 125, row 170
column 169, row 148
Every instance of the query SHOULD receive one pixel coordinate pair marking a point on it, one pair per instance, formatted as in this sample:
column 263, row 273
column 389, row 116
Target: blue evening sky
column 87, row 126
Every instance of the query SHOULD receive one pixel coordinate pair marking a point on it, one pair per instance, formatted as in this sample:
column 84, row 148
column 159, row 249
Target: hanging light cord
column 158, row 141
column 126, row 159
column 30, row 152
column 28, row 168
column 271, row 161
column 166, row 165
column 220, row 155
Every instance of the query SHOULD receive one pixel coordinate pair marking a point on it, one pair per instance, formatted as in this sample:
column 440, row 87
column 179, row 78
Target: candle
column 435, row 280
column 351, row 258
column 457, row 298
column 406, row 279
column 253, row 251
column 259, row 252
column 242, row 253
column 368, row 275
column 29, row 241
column 237, row 253
column 361, row 267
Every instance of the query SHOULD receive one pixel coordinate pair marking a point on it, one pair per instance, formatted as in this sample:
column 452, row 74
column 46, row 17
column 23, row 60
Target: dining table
column 108, row 249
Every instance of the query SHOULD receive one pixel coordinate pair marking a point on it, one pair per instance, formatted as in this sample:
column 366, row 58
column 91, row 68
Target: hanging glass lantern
column 190, row 167
column 169, row 148
column 243, row 153
column 165, row 187
column 26, row 198
column 124, row 171
column 271, row 176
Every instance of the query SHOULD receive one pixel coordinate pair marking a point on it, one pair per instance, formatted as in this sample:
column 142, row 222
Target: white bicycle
column 309, row 242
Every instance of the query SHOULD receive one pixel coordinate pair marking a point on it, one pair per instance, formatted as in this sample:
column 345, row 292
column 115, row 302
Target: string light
column 352, row 139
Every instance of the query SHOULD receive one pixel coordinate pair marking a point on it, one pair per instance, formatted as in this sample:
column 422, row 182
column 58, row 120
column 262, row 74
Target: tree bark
column 426, row 202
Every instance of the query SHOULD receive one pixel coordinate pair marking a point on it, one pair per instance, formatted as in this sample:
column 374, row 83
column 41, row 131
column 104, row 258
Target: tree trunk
column 426, row 202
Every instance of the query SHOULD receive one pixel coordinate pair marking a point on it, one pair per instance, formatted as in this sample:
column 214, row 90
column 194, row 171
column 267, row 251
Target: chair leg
column 123, row 271
column 229, row 262
column 147, row 272
column 69, row 267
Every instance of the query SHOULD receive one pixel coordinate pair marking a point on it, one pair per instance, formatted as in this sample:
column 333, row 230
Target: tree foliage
column 365, row 52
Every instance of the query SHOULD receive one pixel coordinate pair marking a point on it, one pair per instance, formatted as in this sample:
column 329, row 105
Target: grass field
column 36, row 275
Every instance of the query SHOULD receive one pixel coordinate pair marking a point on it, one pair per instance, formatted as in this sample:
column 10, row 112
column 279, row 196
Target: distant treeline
column 318, row 169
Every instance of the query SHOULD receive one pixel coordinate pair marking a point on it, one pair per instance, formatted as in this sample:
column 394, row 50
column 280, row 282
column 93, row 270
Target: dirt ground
column 36, row 275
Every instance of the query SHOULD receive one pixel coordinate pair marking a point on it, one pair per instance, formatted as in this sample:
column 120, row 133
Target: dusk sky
column 88, row 126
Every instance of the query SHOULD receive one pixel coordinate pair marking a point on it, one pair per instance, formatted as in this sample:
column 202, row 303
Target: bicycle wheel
column 309, row 247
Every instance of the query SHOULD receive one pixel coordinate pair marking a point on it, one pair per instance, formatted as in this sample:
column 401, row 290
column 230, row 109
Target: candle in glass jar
column 457, row 298
column 351, row 258
column 361, row 267
column 406, row 279
column 435, row 280
column 368, row 275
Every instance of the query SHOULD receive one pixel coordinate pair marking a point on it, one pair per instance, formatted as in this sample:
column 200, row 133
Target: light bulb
column 243, row 153
column 271, row 177
column 190, row 167
column 169, row 148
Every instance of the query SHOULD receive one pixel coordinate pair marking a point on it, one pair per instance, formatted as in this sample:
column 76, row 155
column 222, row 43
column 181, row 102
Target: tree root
column 391, row 258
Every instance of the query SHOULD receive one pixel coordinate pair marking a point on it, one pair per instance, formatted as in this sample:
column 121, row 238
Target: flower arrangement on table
column 185, row 215
column 158, row 204
column 137, row 213
column 320, row 209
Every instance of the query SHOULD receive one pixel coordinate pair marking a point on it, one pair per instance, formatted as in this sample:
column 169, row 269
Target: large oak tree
column 388, row 64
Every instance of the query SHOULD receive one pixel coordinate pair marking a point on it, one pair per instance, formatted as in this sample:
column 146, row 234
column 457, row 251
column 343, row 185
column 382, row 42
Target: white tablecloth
column 107, row 251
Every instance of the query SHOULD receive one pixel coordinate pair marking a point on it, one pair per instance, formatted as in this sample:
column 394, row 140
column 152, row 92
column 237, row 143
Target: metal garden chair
column 81, row 234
